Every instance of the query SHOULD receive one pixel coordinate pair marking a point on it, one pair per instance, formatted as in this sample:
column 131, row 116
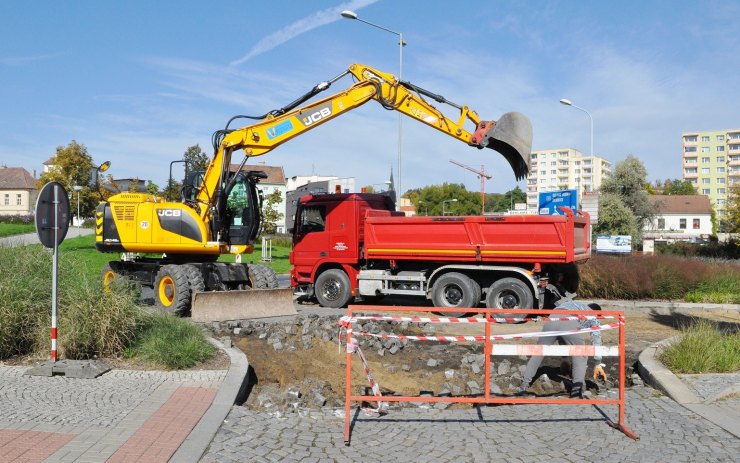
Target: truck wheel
column 333, row 289
column 262, row 277
column 509, row 293
column 172, row 290
column 456, row 290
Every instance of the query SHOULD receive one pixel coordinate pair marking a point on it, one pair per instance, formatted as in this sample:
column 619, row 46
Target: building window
column 704, row 160
column 720, row 148
column 705, row 170
column 704, row 149
column 661, row 224
column 735, row 136
column 682, row 224
column 18, row 200
column 720, row 159
column 720, row 170
column 690, row 160
column 690, row 170
column 720, row 138
column 721, row 202
column 7, row 199
column 705, row 138
column 533, row 156
column 721, row 191
column 705, row 191
column 706, row 181
column 697, row 224
column 691, row 139
column 721, row 180
column 692, row 181
column 553, row 172
column 690, row 149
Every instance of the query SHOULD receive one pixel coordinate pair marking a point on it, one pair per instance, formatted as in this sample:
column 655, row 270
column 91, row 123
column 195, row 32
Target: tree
column 436, row 199
column 152, row 188
column 629, row 184
column 732, row 214
column 615, row 218
column 195, row 159
column 497, row 202
column 71, row 167
column 270, row 214
column 672, row 187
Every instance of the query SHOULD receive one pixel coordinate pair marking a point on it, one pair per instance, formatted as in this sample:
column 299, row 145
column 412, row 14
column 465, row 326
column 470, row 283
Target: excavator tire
column 172, row 290
column 195, row 278
column 262, row 277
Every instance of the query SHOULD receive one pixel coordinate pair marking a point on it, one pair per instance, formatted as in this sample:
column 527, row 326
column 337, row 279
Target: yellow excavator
column 219, row 209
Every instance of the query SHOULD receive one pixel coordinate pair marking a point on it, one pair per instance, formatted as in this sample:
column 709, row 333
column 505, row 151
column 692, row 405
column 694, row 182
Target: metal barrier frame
column 490, row 315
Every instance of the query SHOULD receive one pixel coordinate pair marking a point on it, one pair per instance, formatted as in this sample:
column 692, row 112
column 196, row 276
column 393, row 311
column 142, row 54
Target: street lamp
column 444, row 204
column 78, row 188
column 567, row 102
column 426, row 207
column 349, row 14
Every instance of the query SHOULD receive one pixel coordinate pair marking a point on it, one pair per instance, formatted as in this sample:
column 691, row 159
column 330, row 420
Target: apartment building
column 711, row 162
column 564, row 169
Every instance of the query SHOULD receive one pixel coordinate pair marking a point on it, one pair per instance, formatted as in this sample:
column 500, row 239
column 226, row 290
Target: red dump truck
column 350, row 245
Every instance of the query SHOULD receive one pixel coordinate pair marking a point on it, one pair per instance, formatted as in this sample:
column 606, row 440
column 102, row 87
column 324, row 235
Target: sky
column 138, row 82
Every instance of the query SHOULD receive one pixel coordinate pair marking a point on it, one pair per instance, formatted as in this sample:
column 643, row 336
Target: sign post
column 52, row 223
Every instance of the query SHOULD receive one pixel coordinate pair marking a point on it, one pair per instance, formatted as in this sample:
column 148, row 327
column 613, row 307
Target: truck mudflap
column 211, row 306
column 511, row 136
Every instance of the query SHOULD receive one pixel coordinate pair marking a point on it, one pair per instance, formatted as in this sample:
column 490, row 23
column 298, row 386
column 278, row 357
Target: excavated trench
column 298, row 364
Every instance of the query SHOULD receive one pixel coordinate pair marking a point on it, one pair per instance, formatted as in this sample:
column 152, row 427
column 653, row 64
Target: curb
column 657, row 375
column 667, row 307
column 232, row 390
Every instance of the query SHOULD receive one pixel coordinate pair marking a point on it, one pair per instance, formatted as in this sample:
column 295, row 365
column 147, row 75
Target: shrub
column 17, row 218
column 649, row 277
column 703, row 348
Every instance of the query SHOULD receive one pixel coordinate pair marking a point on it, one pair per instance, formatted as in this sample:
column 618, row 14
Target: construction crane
column 483, row 176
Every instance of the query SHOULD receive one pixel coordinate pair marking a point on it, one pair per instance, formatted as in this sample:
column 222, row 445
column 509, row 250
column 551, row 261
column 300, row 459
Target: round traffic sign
column 52, row 214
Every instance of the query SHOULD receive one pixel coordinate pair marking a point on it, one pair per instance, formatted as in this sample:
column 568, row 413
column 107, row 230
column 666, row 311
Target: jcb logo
column 316, row 115
column 169, row 212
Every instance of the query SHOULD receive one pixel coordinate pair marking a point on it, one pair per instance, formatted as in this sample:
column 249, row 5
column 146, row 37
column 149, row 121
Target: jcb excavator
column 219, row 212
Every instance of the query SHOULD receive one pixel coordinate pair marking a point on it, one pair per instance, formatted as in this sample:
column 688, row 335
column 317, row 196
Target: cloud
column 303, row 25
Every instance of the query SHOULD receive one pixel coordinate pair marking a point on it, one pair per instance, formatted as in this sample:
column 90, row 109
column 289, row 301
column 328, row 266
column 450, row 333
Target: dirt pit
column 298, row 363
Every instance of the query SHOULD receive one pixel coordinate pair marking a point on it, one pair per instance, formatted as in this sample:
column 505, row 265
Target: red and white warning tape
column 499, row 337
column 353, row 346
column 470, row 320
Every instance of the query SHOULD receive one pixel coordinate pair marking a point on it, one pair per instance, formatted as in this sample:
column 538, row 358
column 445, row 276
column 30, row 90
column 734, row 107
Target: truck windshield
column 311, row 219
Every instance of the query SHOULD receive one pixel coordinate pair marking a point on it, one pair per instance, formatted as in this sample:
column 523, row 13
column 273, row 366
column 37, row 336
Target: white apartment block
column 564, row 169
column 711, row 162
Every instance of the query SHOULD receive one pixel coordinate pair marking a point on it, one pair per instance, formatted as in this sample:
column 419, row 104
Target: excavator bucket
column 242, row 304
column 511, row 136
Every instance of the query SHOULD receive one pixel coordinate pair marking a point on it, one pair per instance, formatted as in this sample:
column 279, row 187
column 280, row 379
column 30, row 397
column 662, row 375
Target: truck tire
column 262, row 277
column 509, row 293
column 333, row 289
column 456, row 290
column 172, row 290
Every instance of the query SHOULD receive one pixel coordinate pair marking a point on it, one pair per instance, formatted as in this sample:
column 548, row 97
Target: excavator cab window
column 240, row 210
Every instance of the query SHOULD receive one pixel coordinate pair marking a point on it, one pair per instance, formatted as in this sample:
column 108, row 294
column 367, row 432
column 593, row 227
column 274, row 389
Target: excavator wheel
column 262, row 277
column 172, row 290
column 195, row 278
column 109, row 277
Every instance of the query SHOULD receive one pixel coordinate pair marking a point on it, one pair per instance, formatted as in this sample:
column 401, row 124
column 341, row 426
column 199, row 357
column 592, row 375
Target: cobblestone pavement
column 511, row 433
column 89, row 420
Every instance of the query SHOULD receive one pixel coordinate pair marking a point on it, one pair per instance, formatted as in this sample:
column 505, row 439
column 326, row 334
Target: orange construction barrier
column 491, row 347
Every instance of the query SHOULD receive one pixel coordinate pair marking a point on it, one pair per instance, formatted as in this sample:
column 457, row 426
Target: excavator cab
column 243, row 207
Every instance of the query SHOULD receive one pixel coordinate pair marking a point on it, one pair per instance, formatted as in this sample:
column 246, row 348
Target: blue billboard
column 550, row 201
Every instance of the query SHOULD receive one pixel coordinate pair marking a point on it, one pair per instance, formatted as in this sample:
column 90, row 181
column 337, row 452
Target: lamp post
column 349, row 14
column 78, row 188
column 567, row 102
column 444, row 204
column 426, row 207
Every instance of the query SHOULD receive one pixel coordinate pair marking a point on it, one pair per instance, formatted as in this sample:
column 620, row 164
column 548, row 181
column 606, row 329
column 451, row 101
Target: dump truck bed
column 479, row 239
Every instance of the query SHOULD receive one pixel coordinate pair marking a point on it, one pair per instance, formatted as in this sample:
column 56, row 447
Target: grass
column 166, row 340
column 11, row 229
column 703, row 348
column 91, row 323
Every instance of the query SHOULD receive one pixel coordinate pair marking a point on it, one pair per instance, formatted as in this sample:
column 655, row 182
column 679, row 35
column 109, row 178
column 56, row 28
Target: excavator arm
column 511, row 135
